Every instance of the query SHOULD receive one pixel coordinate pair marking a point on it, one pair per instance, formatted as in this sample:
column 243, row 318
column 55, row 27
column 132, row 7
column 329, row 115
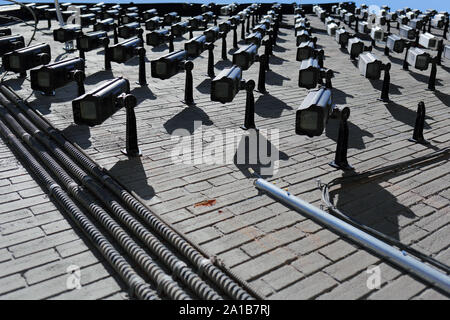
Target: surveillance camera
column 10, row 43
column 418, row 59
column 370, row 66
column 125, row 50
column 148, row 14
column 5, row 32
column 261, row 28
column 377, row 33
column 129, row 30
column 196, row 22
column 225, row 26
column 157, row 37
column 429, row 41
column 21, row 60
column 179, row 29
column 195, row 46
column 96, row 106
column 104, row 25
column 168, row 65
column 153, row 23
column 395, row 43
column 245, row 57
column 312, row 115
column 67, row 33
column 407, row 32
column 212, row 34
column 130, row 17
column 226, row 84
column 170, row 18
column 254, row 38
column 306, row 50
column 56, row 75
column 91, row 40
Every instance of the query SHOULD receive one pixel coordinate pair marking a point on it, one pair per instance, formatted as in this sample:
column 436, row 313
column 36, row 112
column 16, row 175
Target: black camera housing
column 96, row 106
column 91, row 40
column 10, row 43
column 226, row 84
column 245, row 56
column 21, row 60
column 195, row 46
column 171, row 18
column 157, row 37
column 153, row 23
column 128, row 30
column 212, row 34
column 148, row 14
column 67, row 33
column 179, row 29
column 125, row 50
column 55, row 75
column 255, row 38
column 168, row 65
column 104, row 25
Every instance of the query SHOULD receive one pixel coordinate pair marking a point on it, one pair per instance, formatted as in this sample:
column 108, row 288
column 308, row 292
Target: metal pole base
column 424, row 142
column 344, row 166
column 134, row 154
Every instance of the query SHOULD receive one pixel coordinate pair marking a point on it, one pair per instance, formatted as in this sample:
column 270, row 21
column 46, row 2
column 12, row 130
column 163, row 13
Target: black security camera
column 21, row 60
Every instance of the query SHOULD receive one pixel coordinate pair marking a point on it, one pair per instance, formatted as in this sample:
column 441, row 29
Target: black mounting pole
column 224, row 46
column 420, row 123
column 188, row 87
column 405, row 62
column 388, row 23
column 82, row 55
column 116, row 38
column 262, row 74
column 243, row 29
column 432, row 78
column 107, row 58
column 356, row 24
column 446, row 26
column 440, row 48
column 320, row 56
column 79, row 77
column 267, row 45
column 235, row 43
column 386, row 50
column 386, row 83
column 328, row 76
column 340, row 159
column 215, row 20
column 253, row 20
column 191, row 33
column 49, row 23
column 132, row 148
column 142, row 78
column 171, row 48
column 429, row 26
column 249, row 121
column 248, row 24
column 210, row 48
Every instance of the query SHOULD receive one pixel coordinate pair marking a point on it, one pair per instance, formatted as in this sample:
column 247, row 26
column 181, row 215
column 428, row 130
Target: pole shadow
column 269, row 106
column 80, row 134
column 257, row 152
column 131, row 172
column 356, row 134
column 186, row 119
column 377, row 208
column 404, row 114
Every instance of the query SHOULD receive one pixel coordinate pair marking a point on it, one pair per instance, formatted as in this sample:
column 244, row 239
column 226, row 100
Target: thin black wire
column 384, row 170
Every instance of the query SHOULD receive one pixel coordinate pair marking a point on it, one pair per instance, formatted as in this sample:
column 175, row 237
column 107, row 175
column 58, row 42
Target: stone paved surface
column 280, row 252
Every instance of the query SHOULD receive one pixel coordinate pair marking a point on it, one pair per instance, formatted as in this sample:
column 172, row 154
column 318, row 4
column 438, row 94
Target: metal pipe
column 176, row 265
column 217, row 276
column 367, row 241
column 137, row 285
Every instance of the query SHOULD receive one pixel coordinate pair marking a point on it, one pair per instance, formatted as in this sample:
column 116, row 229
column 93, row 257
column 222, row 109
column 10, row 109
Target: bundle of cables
column 374, row 174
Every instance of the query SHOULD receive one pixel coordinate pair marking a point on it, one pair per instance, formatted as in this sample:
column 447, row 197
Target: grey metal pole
column 386, row 251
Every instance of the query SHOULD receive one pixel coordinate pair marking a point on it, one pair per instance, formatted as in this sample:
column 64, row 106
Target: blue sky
column 440, row 5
